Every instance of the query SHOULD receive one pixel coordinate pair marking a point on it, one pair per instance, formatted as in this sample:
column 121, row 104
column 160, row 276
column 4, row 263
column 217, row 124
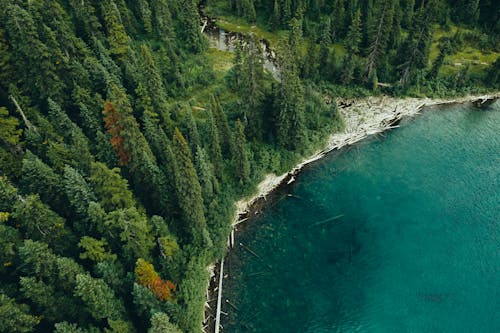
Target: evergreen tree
column 189, row 20
column 222, row 125
column 189, row 193
column 99, row 299
column 251, row 89
column 290, row 104
column 116, row 34
column 354, row 36
column 160, row 323
column 379, row 33
column 241, row 160
column 338, row 18
column 205, row 172
column 14, row 317
column 214, row 146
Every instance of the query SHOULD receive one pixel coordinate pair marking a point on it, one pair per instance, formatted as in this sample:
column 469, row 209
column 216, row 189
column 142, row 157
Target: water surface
column 400, row 233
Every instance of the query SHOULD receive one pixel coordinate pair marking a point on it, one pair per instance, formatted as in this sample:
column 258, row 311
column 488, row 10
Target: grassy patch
column 221, row 61
column 477, row 59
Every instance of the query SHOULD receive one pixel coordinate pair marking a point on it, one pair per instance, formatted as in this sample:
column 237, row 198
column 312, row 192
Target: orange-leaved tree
column 114, row 129
column 146, row 275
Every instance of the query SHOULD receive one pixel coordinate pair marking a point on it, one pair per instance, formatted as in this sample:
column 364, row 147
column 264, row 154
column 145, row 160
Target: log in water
column 416, row 248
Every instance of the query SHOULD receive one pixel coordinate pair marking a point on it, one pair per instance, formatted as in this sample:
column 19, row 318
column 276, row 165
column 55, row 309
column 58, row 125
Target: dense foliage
column 123, row 148
column 401, row 46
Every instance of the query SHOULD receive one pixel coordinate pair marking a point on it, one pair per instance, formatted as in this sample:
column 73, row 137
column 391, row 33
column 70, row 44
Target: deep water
column 415, row 246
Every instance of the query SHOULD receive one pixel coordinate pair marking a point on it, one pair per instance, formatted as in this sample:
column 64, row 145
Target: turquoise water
column 416, row 247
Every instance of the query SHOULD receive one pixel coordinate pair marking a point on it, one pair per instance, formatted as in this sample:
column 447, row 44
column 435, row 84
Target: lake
column 399, row 233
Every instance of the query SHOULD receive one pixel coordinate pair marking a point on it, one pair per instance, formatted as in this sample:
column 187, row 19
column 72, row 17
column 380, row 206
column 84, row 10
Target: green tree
column 191, row 32
column 251, row 88
column 354, row 36
column 189, row 193
column 77, row 190
column 379, row 33
column 290, row 124
column 99, row 298
column 241, row 160
column 112, row 190
column 95, row 250
column 14, row 317
column 9, row 133
column 116, row 35
column 214, row 146
column 222, row 124
column 205, row 172
column 160, row 323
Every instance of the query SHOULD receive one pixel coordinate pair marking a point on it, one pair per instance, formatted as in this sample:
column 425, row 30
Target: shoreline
column 384, row 113
column 363, row 118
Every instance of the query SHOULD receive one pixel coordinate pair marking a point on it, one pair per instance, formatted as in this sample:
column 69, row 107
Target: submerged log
column 326, row 221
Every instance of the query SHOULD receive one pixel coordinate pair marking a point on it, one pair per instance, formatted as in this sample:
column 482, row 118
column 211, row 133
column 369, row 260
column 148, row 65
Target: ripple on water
column 416, row 249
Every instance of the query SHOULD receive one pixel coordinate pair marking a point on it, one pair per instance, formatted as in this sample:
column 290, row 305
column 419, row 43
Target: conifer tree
column 214, row 146
column 241, row 160
column 193, row 137
column 99, row 298
column 9, row 133
column 338, row 18
column 39, row 178
column 290, row 104
column 379, row 33
column 189, row 193
column 251, row 89
column 163, row 20
column 160, row 323
column 14, row 317
column 205, row 172
column 354, row 36
column 146, row 15
column 153, row 83
column 116, row 34
column 222, row 124
column 190, row 32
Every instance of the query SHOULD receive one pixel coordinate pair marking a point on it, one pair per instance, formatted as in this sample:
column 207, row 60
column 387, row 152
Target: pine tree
column 290, row 104
column 39, row 178
column 163, row 20
column 193, row 137
column 354, row 36
column 379, row 33
column 222, row 124
column 160, row 323
column 153, row 83
column 146, row 15
column 99, row 299
column 251, row 89
column 190, row 33
column 14, row 317
column 214, row 146
column 276, row 15
column 77, row 190
column 116, row 34
column 338, row 18
column 241, row 161
column 9, row 133
column 248, row 10
column 205, row 172
column 414, row 52
column 189, row 193
column 111, row 189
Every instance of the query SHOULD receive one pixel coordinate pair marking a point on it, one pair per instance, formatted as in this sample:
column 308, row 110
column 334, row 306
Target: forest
column 125, row 139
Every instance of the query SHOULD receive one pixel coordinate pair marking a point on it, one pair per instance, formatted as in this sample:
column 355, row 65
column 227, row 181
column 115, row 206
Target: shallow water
column 413, row 246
